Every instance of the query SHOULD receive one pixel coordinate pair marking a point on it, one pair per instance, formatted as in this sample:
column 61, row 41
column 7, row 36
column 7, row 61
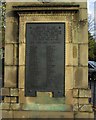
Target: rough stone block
column 9, row 54
column 91, row 115
column 83, row 14
column 83, row 101
column 69, row 54
column 83, row 50
column 75, row 101
column 13, row 99
column 75, row 31
column 21, row 54
column 69, row 78
column 15, row 106
column 6, row 99
column 69, row 97
column 85, row 108
column 75, row 93
column 5, row 92
column 10, row 76
column 82, row 32
column 84, row 93
column 14, row 92
column 11, row 32
column 21, row 76
column 5, row 106
column 22, row 98
column 80, row 77
column 75, row 54
column 75, row 107
column 7, row 114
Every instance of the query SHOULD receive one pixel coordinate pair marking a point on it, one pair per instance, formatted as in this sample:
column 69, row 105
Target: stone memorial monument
column 46, row 60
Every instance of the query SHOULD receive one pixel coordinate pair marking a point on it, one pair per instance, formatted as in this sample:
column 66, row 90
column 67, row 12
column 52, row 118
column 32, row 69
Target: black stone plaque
column 45, row 58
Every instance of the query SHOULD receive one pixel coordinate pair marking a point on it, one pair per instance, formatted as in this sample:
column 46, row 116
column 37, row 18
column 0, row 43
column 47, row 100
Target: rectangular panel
column 45, row 58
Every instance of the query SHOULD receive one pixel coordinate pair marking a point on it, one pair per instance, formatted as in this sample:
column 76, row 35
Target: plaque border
column 26, row 91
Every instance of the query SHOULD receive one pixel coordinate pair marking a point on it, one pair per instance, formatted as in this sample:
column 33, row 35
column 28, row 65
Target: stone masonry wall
column 75, row 103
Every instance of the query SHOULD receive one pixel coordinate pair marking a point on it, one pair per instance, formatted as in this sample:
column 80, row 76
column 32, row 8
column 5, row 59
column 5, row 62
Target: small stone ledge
column 82, row 115
column 44, row 114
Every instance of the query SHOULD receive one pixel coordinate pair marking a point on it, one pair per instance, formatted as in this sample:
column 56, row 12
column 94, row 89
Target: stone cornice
column 47, row 7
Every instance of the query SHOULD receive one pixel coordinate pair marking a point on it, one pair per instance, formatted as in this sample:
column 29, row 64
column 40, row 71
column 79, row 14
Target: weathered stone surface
column 14, row 92
column 83, row 4
column 83, row 93
column 75, row 107
column 75, row 101
column 22, row 98
column 84, row 115
column 75, row 30
column 69, row 78
column 75, row 54
column 11, row 32
column 82, row 14
column 80, row 100
column 68, row 33
column 21, row 54
column 83, row 101
column 9, row 54
column 85, row 77
column 83, row 34
column 21, row 76
column 75, row 93
column 15, row 106
column 85, row 108
column 80, row 77
column 32, row 114
column 83, row 50
column 69, row 97
column 5, row 92
column 69, row 54
column 10, row 76
column 15, row 57
column 78, row 74
column 13, row 99
column 7, row 114
column 22, row 31
column 5, row 106
column 7, row 99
